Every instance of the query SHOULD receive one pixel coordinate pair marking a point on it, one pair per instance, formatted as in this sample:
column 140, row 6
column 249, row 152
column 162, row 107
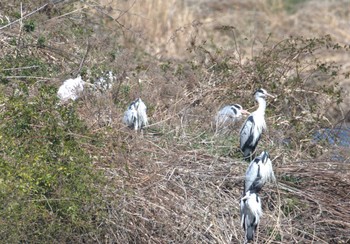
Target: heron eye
column 234, row 110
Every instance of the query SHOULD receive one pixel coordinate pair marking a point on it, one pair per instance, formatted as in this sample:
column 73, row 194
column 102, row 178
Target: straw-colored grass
column 178, row 181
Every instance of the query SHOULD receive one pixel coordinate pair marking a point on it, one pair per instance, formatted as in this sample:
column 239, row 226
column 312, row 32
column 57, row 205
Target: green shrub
column 48, row 185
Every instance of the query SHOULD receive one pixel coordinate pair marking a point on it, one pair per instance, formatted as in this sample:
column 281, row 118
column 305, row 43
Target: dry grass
column 177, row 182
column 166, row 28
column 184, row 194
column 159, row 22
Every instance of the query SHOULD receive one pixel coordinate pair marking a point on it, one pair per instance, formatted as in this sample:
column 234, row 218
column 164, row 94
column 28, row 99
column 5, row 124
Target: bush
column 292, row 69
column 48, row 186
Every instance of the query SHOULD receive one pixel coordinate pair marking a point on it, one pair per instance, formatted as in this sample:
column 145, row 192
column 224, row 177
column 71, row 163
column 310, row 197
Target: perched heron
column 250, row 213
column 229, row 115
column 259, row 172
column 136, row 116
column 71, row 89
column 253, row 126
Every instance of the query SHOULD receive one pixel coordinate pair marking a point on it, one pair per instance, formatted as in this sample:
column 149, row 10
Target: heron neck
column 262, row 105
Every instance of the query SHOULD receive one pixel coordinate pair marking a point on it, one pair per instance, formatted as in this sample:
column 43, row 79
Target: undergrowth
column 73, row 173
column 49, row 188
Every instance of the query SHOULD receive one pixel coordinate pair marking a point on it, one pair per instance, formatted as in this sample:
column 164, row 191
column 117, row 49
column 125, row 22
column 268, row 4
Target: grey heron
column 71, row 89
column 250, row 206
column 135, row 116
column 229, row 115
column 259, row 172
column 105, row 82
column 254, row 125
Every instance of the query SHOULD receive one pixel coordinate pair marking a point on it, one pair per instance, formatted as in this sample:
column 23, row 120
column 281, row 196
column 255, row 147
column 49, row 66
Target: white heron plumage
column 251, row 211
column 105, row 82
column 71, row 89
column 259, row 172
column 228, row 115
column 135, row 116
column 254, row 125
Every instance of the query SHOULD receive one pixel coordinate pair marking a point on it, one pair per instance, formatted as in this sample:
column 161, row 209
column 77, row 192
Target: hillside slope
column 73, row 173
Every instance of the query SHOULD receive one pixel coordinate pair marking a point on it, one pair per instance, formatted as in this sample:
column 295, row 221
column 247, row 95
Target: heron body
column 130, row 116
column 250, row 206
column 254, row 126
column 135, row 116
column 229, row 115
column 71, row 89
column 259, row 172
column 141, row 113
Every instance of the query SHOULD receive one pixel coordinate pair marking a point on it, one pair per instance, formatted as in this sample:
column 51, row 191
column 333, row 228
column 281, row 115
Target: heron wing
column 257, row 184
column 251, row 213
column 251, row 175
column 267, row 171
column 130, row 117
column 242, row 212
column 142, row 113
column 254, row 206
column 224, row 115
column 247, row 132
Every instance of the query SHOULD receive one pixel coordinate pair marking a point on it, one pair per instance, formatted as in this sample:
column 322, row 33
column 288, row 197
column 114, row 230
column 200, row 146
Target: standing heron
column 251, row 212
column 253, row 126
column 259, row 172
column 135, row 116
column 229, row 115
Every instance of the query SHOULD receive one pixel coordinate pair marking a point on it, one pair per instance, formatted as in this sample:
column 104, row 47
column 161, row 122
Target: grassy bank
column 73, row 172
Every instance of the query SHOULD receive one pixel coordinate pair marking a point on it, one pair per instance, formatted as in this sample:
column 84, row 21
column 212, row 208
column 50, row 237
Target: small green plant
column 13, row 41
column 165, row 66
column 276, row 235
column 29, row 26
column 292, row 179
column 125, row 90
column 290, row 205
column 41, row 41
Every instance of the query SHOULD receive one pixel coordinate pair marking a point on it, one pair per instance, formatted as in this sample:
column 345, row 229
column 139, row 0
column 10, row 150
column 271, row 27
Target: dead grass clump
column 181, row 199
column 319, row 186
column 177, row 182
column 182, row 195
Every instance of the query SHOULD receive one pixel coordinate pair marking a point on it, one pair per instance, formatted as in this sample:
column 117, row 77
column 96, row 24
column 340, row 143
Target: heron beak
column 245, row 112
column 245, row 197
column 267, row 94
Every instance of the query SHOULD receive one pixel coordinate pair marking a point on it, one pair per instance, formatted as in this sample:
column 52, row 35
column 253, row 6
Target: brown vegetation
column 178, row 182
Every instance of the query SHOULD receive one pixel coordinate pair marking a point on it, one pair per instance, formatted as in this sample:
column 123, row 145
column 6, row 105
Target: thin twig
column 25, row 16
column 27, row 77
column 21, row 68
column 83, row 59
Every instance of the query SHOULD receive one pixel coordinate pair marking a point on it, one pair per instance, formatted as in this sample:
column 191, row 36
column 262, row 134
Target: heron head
column 237, row 106
column 137, row 102
column 240, row 109
column 262, row 93
column 265, row 156
column 132, row 106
